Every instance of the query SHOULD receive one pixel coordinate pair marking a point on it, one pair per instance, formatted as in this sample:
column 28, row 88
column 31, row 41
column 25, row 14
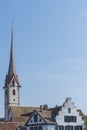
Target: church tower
column 12, row 86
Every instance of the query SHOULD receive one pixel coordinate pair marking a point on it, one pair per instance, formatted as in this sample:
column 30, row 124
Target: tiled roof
column 18, row 111
column 11, row 69
column 20, row 120
column 20, row 114
column 23, row 114
column 47, row 116
column 55, row 110
column 81, row 114
column 8, row 126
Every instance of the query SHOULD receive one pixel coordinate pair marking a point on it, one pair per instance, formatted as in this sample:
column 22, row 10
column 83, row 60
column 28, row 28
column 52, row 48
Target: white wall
column 39, row 123
column 45, row 127
column 64, row 112
column 50, row 127
column 10, row 99
column 31, row 121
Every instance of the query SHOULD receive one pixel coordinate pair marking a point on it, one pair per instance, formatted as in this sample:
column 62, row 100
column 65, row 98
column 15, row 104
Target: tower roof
column 11, row 69
column 11, row 75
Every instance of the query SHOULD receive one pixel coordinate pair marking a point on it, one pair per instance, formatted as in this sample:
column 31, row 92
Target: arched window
column 14, row 93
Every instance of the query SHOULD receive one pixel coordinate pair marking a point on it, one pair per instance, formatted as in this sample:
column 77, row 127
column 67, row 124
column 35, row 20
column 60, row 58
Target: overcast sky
column 50, row 49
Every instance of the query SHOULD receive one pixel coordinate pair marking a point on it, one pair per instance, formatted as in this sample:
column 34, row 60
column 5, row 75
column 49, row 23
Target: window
column 13, row 83
column 35, row 128
column 11, row 119
column 69, row 110
column 66, row 118
column 14, row 93
column 78, row 128
column 31, row 121
column 68, row 127
column 6, row 92
column 40, row 128
column 40, row 120
column 31, row 128
column 35, row 118
column 61, row 127
column 70, row 119
column 14, row 99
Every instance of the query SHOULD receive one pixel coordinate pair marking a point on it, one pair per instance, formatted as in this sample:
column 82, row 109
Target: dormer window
column 40, row 120
column 35, row 118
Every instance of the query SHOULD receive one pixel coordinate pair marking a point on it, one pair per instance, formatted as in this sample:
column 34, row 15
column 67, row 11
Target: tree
column 85, row 124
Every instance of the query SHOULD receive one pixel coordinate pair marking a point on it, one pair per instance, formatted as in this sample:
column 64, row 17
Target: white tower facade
column 12, row 87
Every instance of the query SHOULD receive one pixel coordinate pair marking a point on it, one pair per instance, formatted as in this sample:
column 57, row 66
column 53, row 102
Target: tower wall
column 11, row 99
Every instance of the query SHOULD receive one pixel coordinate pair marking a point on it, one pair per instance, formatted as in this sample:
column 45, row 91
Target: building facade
column 69, row 117
column 64, row 117
column 41, row 120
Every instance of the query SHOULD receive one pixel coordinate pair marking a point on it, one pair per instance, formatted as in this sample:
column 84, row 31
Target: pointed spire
column 11, row 69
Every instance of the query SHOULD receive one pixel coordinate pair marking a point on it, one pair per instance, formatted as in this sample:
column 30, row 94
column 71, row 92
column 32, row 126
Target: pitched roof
column 23, row 114
column 47, row 116
column 81, row 114
column 19, row 120
column 19, row 111
column 8, row 126
column 19, row 114
column 55, row 110
column 11, row 69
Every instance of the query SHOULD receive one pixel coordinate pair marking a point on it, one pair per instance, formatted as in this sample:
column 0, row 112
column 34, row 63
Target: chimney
column 45, row 106
column 41, row 107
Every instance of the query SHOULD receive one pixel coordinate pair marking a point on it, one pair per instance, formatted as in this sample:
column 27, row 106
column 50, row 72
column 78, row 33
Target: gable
column 14, row 81
column 68, row 114
column 35, row 118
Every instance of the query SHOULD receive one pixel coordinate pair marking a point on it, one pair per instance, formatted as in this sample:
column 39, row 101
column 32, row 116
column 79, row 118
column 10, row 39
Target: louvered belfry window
column 14, row 93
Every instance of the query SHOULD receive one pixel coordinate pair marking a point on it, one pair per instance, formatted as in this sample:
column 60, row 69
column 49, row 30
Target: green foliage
column 85, row 124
